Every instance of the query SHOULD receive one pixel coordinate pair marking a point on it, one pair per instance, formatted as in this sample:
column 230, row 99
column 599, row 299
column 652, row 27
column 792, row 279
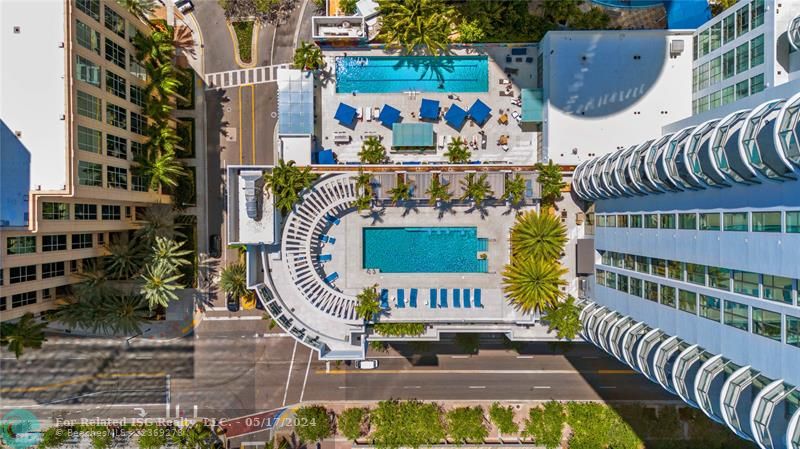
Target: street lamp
column 128, row 340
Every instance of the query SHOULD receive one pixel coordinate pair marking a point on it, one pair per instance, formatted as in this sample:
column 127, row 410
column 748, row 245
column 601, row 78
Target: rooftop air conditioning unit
column 676, row 47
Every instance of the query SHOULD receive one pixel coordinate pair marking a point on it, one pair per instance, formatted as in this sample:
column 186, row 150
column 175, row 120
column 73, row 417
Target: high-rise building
column 71, row 124
column 697, row 234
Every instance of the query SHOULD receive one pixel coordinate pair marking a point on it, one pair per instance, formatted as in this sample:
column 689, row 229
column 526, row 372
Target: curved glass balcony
column 724, row 151
column 758, row 142
column 666, row 353
column 696, row 156
column 684, row 370
column 630, row 342
column 789, row 129
column 709, row 382
column 615, row 336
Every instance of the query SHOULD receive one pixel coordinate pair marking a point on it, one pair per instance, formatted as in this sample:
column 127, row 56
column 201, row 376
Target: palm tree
column 478, row 190
column 25, row 333
column 363, row 202
column 551, row 182
column 158, row 110
column 160, row 283
column 564, row 318
column 401, row 192
column 94, row 285
column 415, row 25
column 538, row 235
column 162, row 80
column 163, row 139
column 363, row 182
column 308, row 56
column 233, row 280
column 124, row 314
column 195, row 436
column 76, row 313
column 438, row 191
column 533, row 284
column 139, row 8
column 168, row 252
column 155, row 47
column 368, row 305
column 286, row 181
column 159, row 221
column 163, row 170
column 514, row 189
column 457, row 151
column 372, row 151
column 125, row 257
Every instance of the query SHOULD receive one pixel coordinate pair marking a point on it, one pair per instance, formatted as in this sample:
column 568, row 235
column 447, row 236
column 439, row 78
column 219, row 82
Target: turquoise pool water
column 422, row 250
column 628, row 3
column 386, row 74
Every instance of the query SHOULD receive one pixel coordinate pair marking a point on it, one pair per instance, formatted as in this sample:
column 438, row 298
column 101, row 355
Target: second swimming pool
column 423, row 250
column 387, row 74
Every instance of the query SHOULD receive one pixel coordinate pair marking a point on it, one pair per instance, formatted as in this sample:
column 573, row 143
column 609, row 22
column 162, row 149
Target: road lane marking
column 607, row 387
column 344, row 388
column 470, row 371
column 541, row 387
column 241, row 157
column 459, row 356
column 477, row 387
column 78, row 380
column 412, row 387
column 305, row 379
column 289, row 376
column 524, row 356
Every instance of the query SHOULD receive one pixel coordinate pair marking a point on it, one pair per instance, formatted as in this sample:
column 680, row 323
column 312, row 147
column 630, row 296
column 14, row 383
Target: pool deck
column 523, row 143
column 494, row 225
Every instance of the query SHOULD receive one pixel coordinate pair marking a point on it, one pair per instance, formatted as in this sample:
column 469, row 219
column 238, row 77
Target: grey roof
column 295, row 102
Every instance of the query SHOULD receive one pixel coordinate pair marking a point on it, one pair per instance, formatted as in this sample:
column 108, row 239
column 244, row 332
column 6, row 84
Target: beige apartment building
column 67, row 183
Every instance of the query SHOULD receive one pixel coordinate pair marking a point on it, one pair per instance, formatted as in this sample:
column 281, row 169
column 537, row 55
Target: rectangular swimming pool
column 423, row 250
column 387, row 74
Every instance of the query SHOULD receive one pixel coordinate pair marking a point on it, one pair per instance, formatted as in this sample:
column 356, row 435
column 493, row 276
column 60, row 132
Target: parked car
column 232, row 302
column 367, row 364
column 214, row 246
column 184, row 6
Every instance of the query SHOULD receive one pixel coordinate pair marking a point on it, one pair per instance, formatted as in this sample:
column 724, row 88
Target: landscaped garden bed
column 244, row 40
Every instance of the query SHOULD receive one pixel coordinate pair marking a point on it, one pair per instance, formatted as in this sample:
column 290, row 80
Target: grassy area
column 244, row 39
column 185, row 131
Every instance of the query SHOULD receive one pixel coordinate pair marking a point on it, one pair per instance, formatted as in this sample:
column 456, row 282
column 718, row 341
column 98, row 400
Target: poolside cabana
column 389, row 116
column 479, row 112
column 429, row 109
column 345, row 114
column 412, row 135
column 325, row 157
column 455, row 117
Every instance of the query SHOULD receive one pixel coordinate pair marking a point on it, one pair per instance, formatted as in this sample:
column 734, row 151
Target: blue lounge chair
column 457, row 297
column 401, row 298
column 331, row 277
column 443, row 298
column 384, row 298
column 433, row 298
column 325, row 257
column 327, row 239
column 333, row 220
column 478, row 298
column 466, row 298
column 412, row 302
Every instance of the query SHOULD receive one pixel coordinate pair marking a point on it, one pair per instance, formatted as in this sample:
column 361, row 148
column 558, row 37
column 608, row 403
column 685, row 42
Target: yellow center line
column 253, row 118
column 463, row 371
column 79, row 379
column 241, row 158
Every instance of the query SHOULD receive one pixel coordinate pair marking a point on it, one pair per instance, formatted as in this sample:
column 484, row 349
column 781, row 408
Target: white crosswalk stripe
column 234, row 78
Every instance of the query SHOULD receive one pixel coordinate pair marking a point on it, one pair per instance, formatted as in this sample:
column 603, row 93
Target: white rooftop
column 32, row 89
column 604, row 90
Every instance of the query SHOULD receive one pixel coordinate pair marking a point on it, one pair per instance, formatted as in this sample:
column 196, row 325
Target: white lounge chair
column 442, row 141
column 360, row 113
column 369, row 114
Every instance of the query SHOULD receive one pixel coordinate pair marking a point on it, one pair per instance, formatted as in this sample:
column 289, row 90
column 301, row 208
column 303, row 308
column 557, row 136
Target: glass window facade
column 56, row 242
column 110, row 212
column 55, row 211
column 21, row 245
column 756, row 84
column 667, row 296
column 793, row 221
column 90, row 140
column 114, row 22
column 719, row 278
column 667, row 221
column 736, row 315
column 766, row 221
column 90, row 174
column 116, row 146
column 767, row 323
column 651, row 291
column 710, row 221
column 116, row 116
column 87, row 37
column 777, row 288
column 81, row 241
column 675, row 270
column 687, row 221
column 651, row 221
column 636, row 221
column 735, row 221
column 116, row 85
column 710, row 308
column 745, row 283
column 793, row 330
column 696, row 274
column 642, row 264
column 687, row 301
column 659, row 267
column 89, row 7
column 115, row 53
column 86, row 211
column 117, row 177
column 757, row 51
column 636, row 287
column 89, row 106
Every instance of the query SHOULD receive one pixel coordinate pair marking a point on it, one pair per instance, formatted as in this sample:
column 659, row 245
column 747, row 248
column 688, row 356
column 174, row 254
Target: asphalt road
column 229, row 368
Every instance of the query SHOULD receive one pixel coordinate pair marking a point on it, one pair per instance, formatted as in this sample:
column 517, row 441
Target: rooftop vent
column 676, row 47
column 17, row 29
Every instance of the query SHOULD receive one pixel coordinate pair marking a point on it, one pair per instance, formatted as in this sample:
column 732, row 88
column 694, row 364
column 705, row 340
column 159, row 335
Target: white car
column 367, row 364
column 184, row 6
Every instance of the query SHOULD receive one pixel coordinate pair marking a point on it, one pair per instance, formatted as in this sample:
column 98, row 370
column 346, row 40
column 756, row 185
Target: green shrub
column 100, row 437
column 545, row 424
column 348, row 6
column 244, row 40
column 466, row 425
column 152, row 437
column 400, row 329
column 351, row 422
column 406, row 424
column 503, row 418
column 54, row 437
column 598, row 426
column 312, row 423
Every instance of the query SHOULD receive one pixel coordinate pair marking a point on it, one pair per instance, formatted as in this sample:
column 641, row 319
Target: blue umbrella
column 479, row 112
column 345, row 114
column 389, row 116
column 429, row 109
column 455, row 116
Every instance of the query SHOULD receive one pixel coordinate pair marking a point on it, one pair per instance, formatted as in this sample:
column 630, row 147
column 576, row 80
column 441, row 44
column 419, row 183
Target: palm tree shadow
column 376, row 215
column 325, row 77
column 409, row 207
column 480, row 208
column 513, row 208
column 445, row 207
